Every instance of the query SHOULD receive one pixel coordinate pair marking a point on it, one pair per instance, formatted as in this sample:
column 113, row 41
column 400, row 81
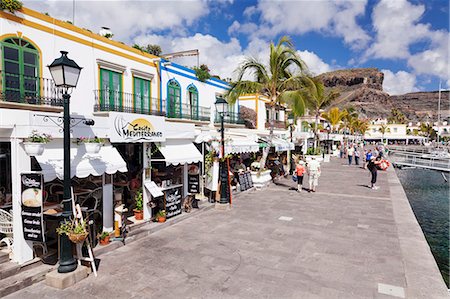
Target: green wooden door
column 21, row 82
column 141, row 96
column 193, row 102
column 111, row 90
column 173, row 99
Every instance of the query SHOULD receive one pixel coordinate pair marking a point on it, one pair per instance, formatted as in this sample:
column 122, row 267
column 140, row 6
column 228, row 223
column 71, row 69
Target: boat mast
column 439, row 114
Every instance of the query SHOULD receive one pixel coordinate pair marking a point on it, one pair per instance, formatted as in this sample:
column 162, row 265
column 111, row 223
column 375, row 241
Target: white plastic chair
column 6, row 227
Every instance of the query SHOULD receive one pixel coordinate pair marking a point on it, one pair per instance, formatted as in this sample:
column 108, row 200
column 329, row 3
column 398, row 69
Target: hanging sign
column 32, row 206
column 131, row 127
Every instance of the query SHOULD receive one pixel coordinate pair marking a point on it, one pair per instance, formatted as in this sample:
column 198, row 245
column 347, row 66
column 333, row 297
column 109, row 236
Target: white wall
column 82, row 100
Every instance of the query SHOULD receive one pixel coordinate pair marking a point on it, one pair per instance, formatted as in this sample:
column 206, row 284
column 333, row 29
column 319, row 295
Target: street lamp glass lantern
column 290, row 121
column 65, row 72
column 221, row 105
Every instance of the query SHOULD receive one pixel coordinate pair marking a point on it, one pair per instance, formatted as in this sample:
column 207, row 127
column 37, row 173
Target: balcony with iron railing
column 110, row 100
column 231, row 118
column 189, row 112
column 29, row 90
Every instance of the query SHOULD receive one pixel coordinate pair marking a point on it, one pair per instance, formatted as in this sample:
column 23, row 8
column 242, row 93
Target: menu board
column 173, row 202
column 32, row 209
column 245, row 180
column 194, row 183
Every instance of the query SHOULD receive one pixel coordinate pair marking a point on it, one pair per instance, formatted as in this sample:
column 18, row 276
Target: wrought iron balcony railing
column 231, row 118
column 190, row 112
column 20, row 88
column 278, row 124
column 110, row 100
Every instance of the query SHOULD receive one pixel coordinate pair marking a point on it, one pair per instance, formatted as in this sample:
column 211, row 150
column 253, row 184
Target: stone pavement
column 344, row 241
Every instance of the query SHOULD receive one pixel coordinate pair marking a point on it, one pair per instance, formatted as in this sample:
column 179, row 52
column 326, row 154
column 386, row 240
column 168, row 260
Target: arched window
column 20, row 71
column 193, row 101
column 173, row 99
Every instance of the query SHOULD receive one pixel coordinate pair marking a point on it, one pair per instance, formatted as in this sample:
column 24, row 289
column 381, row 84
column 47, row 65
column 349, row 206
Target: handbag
column 294, row 177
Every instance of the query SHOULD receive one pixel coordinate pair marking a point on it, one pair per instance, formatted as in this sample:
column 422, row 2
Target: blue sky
column 407, row 39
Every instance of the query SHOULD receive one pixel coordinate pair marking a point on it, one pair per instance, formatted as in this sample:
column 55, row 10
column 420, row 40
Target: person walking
column 300, row 171
column 356, row 155
column 350, row 153
column 372, row 167
column 313, row 169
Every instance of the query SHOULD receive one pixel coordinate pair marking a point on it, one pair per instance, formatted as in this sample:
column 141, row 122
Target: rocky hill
column 363, row 90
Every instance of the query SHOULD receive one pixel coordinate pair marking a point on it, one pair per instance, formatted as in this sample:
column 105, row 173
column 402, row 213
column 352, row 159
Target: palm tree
column 316, row 98
column 334, row 116
column 348, row 119
column 428, row 130
column 383, row 129
column 277, row 81
column 360, row 126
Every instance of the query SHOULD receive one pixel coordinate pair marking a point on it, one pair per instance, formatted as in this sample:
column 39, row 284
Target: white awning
column 108, row 160
column 179, row 151
column 282, row 145
column 236, row 146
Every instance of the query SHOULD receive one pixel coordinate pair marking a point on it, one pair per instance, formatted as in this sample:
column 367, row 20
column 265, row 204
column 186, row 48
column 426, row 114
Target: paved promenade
column 344, row 241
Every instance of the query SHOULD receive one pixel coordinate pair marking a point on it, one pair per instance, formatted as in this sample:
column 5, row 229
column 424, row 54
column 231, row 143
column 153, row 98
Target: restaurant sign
column 32, row 210
column 129, row 127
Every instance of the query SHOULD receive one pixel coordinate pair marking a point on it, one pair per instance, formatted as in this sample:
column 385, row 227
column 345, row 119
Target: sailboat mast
column 439, row 114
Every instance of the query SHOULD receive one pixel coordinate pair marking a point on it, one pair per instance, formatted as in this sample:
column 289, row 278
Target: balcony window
column 111, row 89
column 20, row 76
column 193, row 101
column 141, row 98
column 173, row 99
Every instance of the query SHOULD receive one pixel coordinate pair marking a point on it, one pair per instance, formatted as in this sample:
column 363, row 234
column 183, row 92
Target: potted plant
column 161, row 216
column 34, row 144
column 103, row 238
column 313, row 152
column 75, row 230
column 92, row 145
column 139, row 210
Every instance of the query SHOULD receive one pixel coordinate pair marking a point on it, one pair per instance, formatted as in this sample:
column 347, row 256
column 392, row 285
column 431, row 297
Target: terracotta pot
column 139, row 215
column 77, row 238
column 162, row 219
column 104, row 241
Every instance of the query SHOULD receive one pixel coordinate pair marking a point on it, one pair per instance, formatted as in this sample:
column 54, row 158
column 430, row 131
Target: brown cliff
column 363, row 90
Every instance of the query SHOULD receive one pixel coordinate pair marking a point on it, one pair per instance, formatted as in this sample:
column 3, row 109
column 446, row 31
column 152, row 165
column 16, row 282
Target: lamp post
column 65, row 72
column 328, row 138
column 222, row 110
column 290, row 166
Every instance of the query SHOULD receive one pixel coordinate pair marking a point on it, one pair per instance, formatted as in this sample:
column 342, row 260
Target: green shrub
column 10, row 5
column 313, row 151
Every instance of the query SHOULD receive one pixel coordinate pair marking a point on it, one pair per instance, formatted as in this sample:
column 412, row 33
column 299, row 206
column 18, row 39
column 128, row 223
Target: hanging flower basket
column 77, row 238
column 92, row 147
column 33, row 148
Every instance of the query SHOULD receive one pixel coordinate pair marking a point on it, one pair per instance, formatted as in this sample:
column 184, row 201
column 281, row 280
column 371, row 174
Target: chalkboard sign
column 194, row 183
column 32, row 212
column 173, row 202
column 245, row 181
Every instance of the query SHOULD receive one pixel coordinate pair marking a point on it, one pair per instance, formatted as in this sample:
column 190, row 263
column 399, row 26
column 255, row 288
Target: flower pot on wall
column 92, row 147
column 261, row 178
column 34, row 148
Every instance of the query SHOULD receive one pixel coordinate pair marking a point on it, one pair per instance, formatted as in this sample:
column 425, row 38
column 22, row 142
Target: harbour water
column 428, row 194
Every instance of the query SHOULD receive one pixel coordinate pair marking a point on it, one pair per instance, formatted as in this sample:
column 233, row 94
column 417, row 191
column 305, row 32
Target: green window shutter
column 193, row 102
column 111, row 90
column 20, row 61
column 173, row 99
column 141, row 95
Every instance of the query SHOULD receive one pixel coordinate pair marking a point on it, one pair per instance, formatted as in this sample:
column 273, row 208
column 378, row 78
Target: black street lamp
column 291, row 125
column 222, row 110
column 328, row 138
column 65, row 72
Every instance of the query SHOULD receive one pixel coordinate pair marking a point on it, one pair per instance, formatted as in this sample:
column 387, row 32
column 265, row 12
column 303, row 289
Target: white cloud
column 246, row 28
column 126, row 18
column 299, row 17
column 315, row 64
column 250, row 11
column 399, row 83
column 397, row 25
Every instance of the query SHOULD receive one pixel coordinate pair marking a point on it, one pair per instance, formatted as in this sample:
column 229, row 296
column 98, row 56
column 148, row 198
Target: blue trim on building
column 227, row 86
column 160, row 88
